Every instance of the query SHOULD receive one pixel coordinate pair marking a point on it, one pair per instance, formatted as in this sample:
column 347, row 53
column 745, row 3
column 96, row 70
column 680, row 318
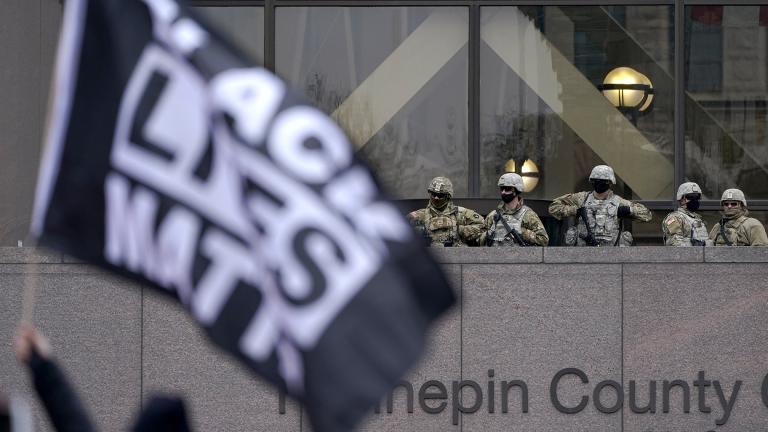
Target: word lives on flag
column 173, row 160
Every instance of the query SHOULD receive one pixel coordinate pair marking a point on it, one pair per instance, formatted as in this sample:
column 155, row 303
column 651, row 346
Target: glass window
column 542, row 113
column 395, row 78
column 244, row 25
column 726, row 125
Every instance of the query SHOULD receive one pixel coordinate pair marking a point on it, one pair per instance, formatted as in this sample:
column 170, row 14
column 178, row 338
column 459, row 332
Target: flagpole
column 29, row 292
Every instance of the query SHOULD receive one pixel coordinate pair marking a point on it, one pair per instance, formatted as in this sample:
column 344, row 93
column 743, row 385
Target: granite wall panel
column 680, row 320
column 527, row 322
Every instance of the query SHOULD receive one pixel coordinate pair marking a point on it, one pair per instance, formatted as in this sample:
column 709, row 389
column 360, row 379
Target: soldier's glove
column 624, row 212
column 581, row 212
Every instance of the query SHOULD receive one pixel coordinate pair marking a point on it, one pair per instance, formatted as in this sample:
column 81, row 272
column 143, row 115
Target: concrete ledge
column 44, row 268
column 29, row 255
column 637, row 254
column 488, row 255
column 730, row 254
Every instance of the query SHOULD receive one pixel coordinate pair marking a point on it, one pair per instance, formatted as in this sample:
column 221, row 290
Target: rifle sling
column 508, row 228
column 722, row 233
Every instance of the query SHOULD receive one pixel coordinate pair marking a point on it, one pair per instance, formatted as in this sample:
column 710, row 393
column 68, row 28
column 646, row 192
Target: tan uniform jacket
column 741, row 231
column 453, row 226
column 568, row 205
column 531, row 228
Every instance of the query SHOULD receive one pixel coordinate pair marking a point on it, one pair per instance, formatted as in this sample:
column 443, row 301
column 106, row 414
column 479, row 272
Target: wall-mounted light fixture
column 529, row 172
column 629, row 91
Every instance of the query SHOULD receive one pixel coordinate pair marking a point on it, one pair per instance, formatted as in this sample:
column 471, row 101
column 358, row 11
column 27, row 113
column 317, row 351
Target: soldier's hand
column 624, row 212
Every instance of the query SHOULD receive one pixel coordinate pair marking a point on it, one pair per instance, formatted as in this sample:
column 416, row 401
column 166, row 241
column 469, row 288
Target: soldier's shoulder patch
column 672, row 222
column 416, row 214
column 477, row 216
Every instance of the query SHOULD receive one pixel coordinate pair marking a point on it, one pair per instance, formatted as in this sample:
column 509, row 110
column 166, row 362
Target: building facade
column 468, row 89
column 471, row 89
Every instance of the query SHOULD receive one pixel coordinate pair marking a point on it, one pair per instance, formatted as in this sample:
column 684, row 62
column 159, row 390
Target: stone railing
column 629, row 319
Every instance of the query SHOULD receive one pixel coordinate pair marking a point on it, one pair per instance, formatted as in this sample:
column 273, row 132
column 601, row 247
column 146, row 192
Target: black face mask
column 601, row 186
column 507, row 198
column 692, row 205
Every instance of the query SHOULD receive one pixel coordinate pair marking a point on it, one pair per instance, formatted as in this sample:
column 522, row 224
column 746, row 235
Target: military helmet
column 441, row 185
column 602, row 172
column 734, row 195
column 513, row 180
column 687, row 188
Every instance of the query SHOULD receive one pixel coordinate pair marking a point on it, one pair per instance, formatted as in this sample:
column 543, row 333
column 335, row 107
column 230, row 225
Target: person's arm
column 672, row 227
column 488, row 227
column 566, row 205
column 634, row 211
column 472, row 228
column 756, row 233
column 533, row 230
column 65, row 409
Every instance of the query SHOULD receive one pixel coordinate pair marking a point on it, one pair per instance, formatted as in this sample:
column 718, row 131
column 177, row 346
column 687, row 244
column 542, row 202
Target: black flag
column 171, row 159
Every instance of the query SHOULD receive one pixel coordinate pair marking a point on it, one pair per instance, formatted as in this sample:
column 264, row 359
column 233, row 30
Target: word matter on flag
column 172, row 160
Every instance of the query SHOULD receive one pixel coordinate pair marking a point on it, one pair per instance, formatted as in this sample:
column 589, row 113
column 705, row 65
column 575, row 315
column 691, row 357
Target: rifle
column 511, row 231
column 519, row 239
column 590, row 239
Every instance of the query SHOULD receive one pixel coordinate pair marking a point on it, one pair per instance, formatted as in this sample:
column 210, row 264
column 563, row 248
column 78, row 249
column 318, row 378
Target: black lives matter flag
column 172, row 160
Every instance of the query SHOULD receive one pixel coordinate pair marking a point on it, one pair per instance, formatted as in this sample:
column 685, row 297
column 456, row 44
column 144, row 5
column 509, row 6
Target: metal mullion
column 474, row 102
column 269, row 35
column 679, row 86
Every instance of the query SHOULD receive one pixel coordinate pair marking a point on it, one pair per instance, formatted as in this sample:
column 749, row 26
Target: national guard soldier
column 514, row 223
column 600, row 213
column 446, row 224
column 735, row 228
column 684, row 227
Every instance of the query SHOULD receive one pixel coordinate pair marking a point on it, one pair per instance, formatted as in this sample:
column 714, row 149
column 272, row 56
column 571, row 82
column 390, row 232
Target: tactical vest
column 732, row 229
column 693, row 228
column 444, row 228
column 501, row 237
column 603, row 220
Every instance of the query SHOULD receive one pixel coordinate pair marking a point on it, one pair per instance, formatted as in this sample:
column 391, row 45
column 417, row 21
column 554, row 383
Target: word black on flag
column 172, row 160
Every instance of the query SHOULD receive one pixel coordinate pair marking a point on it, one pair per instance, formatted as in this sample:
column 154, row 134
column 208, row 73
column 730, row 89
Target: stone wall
column 644, row 314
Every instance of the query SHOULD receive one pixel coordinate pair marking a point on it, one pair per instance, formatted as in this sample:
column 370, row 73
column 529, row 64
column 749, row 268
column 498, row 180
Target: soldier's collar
column 502, row 208
column 449, row 208
column 683, row 209
column 608, row 196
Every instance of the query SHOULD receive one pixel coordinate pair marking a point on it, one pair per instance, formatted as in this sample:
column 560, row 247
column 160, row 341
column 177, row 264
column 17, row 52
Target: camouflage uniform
column 521, row 219
column 602, row 215
column 684, row 227
column 450, row 225
column 738, row 229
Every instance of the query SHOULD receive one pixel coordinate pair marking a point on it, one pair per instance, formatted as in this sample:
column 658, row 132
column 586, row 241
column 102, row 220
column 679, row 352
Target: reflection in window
column 395, row 78
column 243, row 25
column 726, row 129
column 540, row 68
